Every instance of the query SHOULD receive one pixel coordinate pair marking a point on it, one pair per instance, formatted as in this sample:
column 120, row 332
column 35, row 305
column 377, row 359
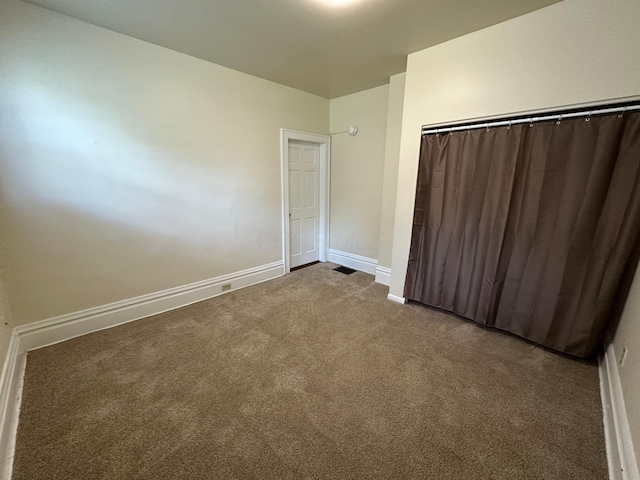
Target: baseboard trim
column 397, row 299
column 383, row 275
column 65, row 327
column 10, row 393
column 620, row 452
column 351, row 260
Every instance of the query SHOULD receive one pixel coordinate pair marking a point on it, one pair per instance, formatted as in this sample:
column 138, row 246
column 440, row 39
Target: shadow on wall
column 93, row 215
column 81, row 160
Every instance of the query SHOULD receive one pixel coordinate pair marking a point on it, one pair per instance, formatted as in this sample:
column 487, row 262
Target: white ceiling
column 329, row 50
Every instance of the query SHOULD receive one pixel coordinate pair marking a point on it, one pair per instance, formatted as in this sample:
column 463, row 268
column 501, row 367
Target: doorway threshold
column 303, row 266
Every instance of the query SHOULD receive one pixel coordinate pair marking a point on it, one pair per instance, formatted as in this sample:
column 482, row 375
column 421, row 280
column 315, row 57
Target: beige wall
column 357, row 168
column 574, row 52
column 391, row 159
column 127, row 168
column 6, row 324
column 628, row 335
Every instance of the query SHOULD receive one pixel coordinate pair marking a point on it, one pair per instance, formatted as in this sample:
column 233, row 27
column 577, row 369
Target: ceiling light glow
column 339, row 2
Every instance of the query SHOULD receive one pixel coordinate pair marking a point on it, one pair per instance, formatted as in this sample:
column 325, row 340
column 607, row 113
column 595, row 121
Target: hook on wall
column 352, row 131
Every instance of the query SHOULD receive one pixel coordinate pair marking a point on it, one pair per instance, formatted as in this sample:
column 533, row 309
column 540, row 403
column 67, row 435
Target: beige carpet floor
column 315, row 375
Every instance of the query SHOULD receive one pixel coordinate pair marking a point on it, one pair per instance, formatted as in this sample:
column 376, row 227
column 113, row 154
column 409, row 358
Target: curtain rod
column 428, row 130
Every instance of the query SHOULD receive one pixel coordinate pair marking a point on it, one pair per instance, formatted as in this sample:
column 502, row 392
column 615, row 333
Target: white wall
column 628, row 335
column 391, row 159
column 127, row 168
column 357, row 168
column 573, row 52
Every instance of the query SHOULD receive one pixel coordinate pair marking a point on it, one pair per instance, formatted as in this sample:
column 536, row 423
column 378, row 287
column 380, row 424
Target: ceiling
column 313, row 45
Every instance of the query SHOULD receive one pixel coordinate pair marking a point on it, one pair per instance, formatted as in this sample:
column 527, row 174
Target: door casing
column 324, row 141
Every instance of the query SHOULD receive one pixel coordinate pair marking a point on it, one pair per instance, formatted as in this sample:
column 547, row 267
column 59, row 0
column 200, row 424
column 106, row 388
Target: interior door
column 304, row 203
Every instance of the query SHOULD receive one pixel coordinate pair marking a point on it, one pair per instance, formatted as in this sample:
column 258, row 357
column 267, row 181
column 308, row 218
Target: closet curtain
column 529, row 228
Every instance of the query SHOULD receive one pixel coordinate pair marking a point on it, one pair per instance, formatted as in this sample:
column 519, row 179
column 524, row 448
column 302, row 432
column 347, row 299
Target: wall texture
column 357, row 168
column 127, row 168
column 573, row 52
column 391, row 159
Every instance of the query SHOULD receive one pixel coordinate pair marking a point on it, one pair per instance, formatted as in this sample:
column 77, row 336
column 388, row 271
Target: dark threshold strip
column 303, row 266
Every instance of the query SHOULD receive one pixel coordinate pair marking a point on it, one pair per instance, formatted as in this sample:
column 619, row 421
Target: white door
column 304, row 203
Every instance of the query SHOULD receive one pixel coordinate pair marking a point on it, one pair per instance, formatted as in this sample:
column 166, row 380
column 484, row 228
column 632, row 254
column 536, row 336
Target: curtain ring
column 509, row 126
column 588, row 119
column 559, row 120
column 450, row 132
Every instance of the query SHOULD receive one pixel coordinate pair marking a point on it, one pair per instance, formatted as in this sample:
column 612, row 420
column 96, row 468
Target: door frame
column 324, row 141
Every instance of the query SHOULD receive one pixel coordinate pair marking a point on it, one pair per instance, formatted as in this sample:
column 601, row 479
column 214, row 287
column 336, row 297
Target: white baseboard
column 397, row 299
column 65, row 327
column 10, row 392
column 383, row 275
column 620, row 452
column 351, row 260
column 58, row 329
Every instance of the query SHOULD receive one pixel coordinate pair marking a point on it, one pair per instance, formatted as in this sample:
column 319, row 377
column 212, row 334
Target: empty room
column 319, row 239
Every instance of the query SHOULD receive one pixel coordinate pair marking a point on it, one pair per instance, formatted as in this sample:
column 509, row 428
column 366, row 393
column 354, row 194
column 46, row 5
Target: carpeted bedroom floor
column 313, row 375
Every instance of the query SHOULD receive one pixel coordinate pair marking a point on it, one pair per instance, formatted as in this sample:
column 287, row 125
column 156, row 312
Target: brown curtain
column 529, row 228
